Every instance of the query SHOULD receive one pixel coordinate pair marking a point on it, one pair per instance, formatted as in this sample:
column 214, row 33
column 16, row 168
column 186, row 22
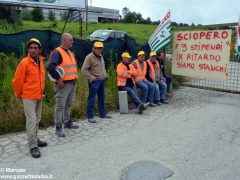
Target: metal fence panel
column 232, row 84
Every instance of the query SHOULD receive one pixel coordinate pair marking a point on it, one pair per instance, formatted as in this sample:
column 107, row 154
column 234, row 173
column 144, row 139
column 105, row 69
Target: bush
column 26, row 15
column 64, row 15
column 10, row 14
column 37, row 15
column 51, row 16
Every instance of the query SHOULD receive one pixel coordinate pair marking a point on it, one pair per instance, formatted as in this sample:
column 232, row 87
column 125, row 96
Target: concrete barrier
column 123, row 102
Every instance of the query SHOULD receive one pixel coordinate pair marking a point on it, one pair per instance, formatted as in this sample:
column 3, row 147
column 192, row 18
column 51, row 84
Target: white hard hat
column 60, row 71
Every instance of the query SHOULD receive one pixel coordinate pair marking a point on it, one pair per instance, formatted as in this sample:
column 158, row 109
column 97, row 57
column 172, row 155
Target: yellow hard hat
column 141, row 53
column 153, row 53
column 34, row 40
column 126, row 55
column 98, row 44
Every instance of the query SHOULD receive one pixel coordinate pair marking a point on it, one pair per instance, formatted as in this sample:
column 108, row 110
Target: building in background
column 98, row 14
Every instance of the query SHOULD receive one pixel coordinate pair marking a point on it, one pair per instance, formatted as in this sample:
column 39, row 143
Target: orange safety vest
column 68, row 64
column 123, row 73
column 141, row 74
column 152, row 71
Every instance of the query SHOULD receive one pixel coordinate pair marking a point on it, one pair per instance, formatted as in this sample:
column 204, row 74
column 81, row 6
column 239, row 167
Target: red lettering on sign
column 202, row 35
column 224, row 34
column 179, row 37
column 185, row 65
column 207, row 67
column 216, row 35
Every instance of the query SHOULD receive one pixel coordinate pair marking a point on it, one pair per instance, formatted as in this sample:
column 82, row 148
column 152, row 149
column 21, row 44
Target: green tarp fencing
column 15, row 43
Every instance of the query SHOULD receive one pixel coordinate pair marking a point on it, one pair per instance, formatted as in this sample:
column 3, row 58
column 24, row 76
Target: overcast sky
column 186, row 11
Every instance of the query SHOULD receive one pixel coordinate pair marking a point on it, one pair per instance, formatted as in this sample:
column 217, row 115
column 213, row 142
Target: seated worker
column 147, row 87
column 168, row 79
column 125, row 80
column 154, row 76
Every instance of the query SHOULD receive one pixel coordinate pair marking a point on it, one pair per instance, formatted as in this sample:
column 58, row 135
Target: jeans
column 96, row 88
column 169, row 83
column 32, row 111
column 156, row 93
column 147, row 91
column 162, row 89
column 133, row 94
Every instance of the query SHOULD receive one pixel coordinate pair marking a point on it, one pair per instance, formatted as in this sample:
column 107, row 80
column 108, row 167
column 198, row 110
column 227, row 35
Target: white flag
column 161, row 36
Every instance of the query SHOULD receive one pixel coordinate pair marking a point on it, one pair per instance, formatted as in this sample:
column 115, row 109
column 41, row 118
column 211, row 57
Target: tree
column 148, row 20
column 130, row 18
column 64, row 15
column 10, row 14
column 180, row 24
column 134, row 17
column 51, row 16
column 125, row 10
column 37, row 14
column 174, row 24
column 139, row 18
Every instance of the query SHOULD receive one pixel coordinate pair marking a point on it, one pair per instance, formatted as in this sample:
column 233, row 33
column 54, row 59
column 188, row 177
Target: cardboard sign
column 202, row 53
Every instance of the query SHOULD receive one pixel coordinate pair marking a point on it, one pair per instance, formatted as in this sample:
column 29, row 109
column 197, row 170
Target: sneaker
column 168, row 95
column 163, row 101
column 146, row 105
column 158, row 103
column 41, row 143
column 70, row 125
column 140, row 108
column 153, row 105
column 91, row 120
column 106, row 116
column 35, row 152
column 59, row 132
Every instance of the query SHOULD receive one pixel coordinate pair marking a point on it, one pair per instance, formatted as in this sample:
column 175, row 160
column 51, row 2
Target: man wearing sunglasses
column 28, row 84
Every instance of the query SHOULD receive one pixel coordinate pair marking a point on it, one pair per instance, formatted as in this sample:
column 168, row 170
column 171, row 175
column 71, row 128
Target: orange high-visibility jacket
column 29, row 79
column 141, row 73
column 123, row 73
column 152, row 71
column 68, row 64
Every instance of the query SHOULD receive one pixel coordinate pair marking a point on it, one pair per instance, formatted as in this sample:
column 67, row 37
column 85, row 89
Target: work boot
column 158, row 103
column 163, row 101
column 70, row 125
column 59, row 132
column 91, row 120
column 140, row 108
column 106, row 116
column 146, row 105
column 153, row 105
column 35, row 152
column 41, row 143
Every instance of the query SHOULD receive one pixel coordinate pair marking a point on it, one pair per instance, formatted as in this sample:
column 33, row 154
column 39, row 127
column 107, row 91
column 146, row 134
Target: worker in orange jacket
column 125, row 80
column 28, row 84
column 65, row 86
column 148, row 88
column 154, row 75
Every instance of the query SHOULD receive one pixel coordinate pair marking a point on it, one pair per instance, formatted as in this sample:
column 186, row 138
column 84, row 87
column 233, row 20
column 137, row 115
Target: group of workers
column 29, row 81
column 145, row 75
